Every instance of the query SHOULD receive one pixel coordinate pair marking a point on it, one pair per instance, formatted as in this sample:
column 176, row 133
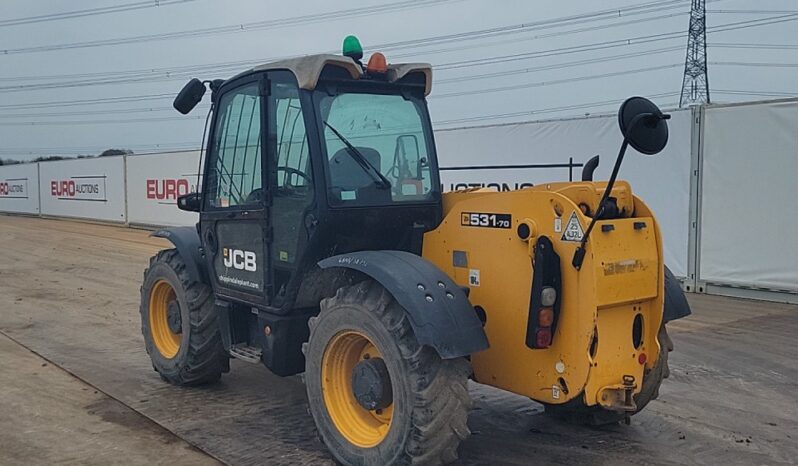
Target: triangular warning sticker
column 573, row 230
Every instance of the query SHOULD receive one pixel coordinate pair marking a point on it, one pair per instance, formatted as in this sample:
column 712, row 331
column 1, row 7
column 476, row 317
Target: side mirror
column 189, row 96
column 648, row 136
column 644, row 128
column 190, row 202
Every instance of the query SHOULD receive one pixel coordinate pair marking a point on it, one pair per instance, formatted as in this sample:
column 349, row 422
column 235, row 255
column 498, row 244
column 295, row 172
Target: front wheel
column 377, row 396
column 179, row 323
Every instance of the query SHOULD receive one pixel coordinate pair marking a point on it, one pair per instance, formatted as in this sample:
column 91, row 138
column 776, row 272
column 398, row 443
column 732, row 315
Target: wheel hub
column 173, row 318
column 371, row 384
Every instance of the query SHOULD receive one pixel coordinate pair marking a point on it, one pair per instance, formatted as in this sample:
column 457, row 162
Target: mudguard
column 187, row 242
column 438, row 309
column 676, row 305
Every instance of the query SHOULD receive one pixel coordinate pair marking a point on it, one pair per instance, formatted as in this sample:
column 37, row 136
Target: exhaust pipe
column 589, row 168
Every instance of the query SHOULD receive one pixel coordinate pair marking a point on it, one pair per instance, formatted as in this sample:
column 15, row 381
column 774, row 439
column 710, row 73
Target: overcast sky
column 50, row 69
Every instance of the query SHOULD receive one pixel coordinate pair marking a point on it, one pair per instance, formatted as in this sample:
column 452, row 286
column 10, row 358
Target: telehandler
column 325, row 246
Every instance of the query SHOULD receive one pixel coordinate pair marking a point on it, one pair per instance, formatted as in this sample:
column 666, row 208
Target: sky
column 105, row 76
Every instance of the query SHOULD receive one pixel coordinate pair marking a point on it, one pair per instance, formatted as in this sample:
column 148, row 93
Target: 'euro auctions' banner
column 155, row 181
column 86, row 188
column 19, row 188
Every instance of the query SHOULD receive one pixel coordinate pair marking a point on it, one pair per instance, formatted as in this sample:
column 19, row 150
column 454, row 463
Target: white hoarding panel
column 540, row 152
column 87, row 188
column 153, row 184
column 748, row 214
column 19, row 188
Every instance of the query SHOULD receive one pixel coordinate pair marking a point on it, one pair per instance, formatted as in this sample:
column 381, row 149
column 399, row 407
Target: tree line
column 51, row 158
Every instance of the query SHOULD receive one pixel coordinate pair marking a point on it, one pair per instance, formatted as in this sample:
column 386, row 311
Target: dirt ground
column 69, row 294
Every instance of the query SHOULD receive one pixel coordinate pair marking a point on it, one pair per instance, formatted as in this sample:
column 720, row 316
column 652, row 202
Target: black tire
column 576, row 412
column 430, row 394
column 201, row 358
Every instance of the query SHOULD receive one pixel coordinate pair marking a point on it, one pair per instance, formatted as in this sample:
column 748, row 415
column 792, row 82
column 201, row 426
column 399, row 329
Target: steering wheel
column 294, row 171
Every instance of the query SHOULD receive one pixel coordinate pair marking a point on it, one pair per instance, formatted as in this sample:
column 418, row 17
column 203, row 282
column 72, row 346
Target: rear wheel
column 378, row 397
column 577, row 412
column 179, row 323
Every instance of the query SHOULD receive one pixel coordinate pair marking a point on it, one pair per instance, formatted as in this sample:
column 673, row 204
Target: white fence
column 19, row 189
column 748, row 198
column 85, row 188
column 154, row 182
column 723, row 189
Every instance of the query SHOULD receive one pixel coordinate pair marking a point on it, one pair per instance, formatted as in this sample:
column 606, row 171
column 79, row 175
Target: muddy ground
column 69, row 326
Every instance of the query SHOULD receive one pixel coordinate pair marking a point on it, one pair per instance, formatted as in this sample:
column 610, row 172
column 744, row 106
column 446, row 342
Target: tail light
column 543, row 337
column 546, row 317
column 544, row 303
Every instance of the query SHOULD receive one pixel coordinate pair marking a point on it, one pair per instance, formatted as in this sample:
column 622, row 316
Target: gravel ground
column 69, row 292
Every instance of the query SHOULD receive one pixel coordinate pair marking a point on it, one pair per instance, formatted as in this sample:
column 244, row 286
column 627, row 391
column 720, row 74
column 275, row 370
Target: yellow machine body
column 593, row 353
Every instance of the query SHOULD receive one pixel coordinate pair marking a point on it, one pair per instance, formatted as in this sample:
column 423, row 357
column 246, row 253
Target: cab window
column 390, row 162
column 234, row 177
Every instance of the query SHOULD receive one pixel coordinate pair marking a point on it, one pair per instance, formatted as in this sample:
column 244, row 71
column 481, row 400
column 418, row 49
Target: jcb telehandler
column 325, row 246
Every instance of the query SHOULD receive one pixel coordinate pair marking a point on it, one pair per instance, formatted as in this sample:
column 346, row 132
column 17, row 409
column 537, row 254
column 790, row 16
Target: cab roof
column 308, row 69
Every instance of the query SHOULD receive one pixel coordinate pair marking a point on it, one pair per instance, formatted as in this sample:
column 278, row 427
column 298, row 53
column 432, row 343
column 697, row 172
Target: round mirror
column 648, row 134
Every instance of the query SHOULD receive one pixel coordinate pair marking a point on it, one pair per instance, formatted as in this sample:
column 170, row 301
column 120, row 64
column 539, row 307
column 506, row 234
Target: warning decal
column 573, row 230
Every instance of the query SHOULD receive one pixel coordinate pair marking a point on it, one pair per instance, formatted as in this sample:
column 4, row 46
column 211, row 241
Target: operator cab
column 309, row 158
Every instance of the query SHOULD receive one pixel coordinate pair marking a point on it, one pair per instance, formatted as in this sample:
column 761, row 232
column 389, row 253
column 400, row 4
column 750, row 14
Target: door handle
column 210, row 240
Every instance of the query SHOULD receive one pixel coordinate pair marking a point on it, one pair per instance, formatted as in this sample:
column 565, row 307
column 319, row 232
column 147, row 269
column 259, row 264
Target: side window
column 292, row 154
column 234, row 178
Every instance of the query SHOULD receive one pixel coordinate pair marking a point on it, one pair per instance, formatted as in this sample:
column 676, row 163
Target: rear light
column 642, row 358
column 543, row 337
column 546, row 317
column 544, row 305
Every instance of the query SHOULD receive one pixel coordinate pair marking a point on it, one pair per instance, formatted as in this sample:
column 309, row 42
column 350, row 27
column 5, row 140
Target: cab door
column 234, row 222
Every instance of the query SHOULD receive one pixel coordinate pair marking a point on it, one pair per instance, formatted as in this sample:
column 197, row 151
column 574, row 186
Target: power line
column 738, row 45
column 759, row 93
column 90, row 12
column 102, row 122
column 753, row 12
column 497, row 116
column 559, row 65
column 755, row 64
column 437, row 83
column 81, row 102
column 554, row 82
column 589, row 47
column 459, row 37
column 452, row 94
column 613, row 43
column 237, row 28
column 176, row 73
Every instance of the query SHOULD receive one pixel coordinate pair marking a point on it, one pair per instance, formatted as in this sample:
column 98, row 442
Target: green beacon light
column 352, row 48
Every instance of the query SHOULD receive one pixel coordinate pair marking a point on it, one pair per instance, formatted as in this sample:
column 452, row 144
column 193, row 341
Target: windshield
column 369, row 133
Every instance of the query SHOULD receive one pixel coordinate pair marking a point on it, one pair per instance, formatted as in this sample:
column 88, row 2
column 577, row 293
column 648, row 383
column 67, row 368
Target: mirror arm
column 579, row 254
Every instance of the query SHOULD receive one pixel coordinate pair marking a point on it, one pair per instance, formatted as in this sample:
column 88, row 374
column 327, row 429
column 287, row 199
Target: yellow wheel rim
column 166, row 341
column 358, row 425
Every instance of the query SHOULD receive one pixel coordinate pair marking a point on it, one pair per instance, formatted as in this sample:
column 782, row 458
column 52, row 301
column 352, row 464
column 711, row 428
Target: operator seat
column 347, row 178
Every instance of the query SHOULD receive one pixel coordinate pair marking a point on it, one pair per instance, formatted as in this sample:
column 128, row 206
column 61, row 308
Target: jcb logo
column 238, row 259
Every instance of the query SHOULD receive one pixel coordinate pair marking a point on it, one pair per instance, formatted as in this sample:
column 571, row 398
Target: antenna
column 695, row 85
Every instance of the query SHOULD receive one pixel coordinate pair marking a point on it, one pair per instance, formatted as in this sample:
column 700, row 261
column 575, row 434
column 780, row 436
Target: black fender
column 188, row 245
column 676, row 305
column 441, row 316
